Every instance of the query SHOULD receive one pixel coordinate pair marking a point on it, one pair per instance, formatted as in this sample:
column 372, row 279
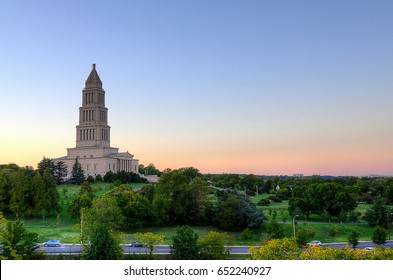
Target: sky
column 261, row 87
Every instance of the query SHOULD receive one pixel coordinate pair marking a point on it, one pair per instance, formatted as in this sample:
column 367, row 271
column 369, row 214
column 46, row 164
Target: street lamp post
column 293, row 224
column 388, row 214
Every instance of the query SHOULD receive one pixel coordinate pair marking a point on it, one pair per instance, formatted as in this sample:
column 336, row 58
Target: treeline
column 24, row 191
column 363, row 189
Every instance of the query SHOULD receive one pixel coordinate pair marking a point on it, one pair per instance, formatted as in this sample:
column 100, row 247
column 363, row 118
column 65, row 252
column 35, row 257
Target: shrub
column 90, row 179
column 264, row 202
column 247, row 234
column 275, row 198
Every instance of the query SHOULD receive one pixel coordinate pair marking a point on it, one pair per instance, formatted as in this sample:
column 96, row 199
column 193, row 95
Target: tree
column 180, row 197
column 18, row 199
column 149, row 170
column 41, row 196
column 377, row 214
column 275, row 230
column 301, row 201
column 5, row 189
column 379, row 235
column 212, row 246
column 77, row 173
column 304, row 234
column 320, row 198
column 51, row 189
column 135, row 208
column 151, row 240
column 228, row 217
column 60, row 171
column 354, row 238
column 104, row 213
column 83, row 201
column 276, row 249
column 185, row 244
column 17, row 241
column 237, row 212
column 104, row 245
column 46, row 163
column 98, row 226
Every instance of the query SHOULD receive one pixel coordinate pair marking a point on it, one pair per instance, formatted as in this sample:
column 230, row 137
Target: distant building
column 93, row 148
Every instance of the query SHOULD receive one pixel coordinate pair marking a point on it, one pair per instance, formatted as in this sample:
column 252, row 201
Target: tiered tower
column 93, row 148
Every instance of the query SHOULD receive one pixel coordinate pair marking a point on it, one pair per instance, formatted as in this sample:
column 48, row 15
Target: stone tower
column 93, row 129
column 93, row 148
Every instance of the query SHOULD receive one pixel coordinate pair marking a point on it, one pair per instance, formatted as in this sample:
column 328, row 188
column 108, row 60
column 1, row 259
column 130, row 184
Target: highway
column 67, row 249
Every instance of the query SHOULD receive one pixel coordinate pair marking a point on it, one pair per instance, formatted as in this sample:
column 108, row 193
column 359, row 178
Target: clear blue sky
column 263, row 87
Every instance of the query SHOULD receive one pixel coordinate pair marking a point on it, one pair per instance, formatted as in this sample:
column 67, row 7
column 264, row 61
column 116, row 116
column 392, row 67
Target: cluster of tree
column 287, row 249
column 362, row 189
column 150, row 169
column 58, row 169
column 28, row 192
column 186, row 245
column 322, row 199
column 181, row 197
column 17, row 242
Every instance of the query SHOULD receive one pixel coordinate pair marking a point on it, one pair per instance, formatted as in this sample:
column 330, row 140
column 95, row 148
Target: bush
column 90, row 179
column 282, row 196
column 247, row 234
column 333, row 231
column 275, row 198
column 264, row 202
column 98, row 178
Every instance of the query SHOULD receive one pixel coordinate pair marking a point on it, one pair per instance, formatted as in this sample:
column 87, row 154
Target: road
column 66, row 249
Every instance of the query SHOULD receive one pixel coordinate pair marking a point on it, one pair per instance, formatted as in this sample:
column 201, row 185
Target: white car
column 314, row 243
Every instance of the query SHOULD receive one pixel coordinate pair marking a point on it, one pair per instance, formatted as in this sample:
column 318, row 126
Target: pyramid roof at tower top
column 93, row 79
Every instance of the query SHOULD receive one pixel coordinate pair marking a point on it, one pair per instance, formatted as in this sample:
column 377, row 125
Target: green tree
column 379, row 235
column 228, row 217
column 51, row 189
column 185, row 244
column 212, row 246
column 104, row 245
column 104, row 213
column 180, row 196
column 236, row 212
column 46, row 163
column 377, row 214
column 5, row 189
column 99, row 226
column 18, row 199
column 354, row 238
column 275, row 230
column 60, row 172
column 17, row 241
column 77, row 173
column 304, row 234
column 149, row 170
column 301, row 201
column 41, row 196
column 151, row 240
column 83, row 201
column 135, row 208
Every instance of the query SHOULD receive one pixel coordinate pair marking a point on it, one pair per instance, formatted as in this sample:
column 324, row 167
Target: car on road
column 314, row 243
column 137, row 244
column 52, row 243
column 369, row 248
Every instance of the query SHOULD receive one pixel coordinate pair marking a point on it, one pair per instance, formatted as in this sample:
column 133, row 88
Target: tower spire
column 93, row 80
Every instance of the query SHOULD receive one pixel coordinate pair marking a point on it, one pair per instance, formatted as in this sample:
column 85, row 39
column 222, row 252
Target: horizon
column 225, row 87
